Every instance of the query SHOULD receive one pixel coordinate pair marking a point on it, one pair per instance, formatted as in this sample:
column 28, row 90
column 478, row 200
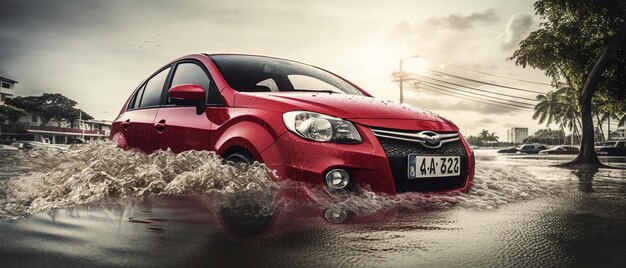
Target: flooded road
column 92, row 208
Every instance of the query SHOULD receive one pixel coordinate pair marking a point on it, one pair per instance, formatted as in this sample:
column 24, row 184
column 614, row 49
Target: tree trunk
column 587, row 155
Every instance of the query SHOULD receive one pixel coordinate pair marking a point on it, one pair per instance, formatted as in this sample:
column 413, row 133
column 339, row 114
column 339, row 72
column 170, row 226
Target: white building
column 517, row 134
column 30, row 127
column 7, row 89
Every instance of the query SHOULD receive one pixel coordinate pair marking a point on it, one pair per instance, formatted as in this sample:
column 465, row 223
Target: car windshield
column 263, row 74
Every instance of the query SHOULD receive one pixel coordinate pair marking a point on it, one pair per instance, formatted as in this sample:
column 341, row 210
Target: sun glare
column 416, row 65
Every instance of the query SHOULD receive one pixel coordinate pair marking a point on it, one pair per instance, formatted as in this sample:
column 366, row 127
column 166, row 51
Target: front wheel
column 240, row 158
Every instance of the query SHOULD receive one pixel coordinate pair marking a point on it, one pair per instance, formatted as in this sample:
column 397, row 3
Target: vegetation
column 580, row 45
column 484, row 137
column 10, row 113
column 547, row 136
column 49, row 106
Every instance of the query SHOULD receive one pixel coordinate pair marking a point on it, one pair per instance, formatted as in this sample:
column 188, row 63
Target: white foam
column 100, row 171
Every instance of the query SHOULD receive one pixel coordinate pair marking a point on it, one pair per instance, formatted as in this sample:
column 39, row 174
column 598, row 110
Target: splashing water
column 44, row 180
column 100, row 170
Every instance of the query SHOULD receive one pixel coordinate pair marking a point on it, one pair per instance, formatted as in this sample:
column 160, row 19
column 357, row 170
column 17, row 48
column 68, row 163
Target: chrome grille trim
column 417, row 137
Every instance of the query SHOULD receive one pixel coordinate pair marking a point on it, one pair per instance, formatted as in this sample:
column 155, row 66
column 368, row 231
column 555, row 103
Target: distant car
column 6, row 150
column 37, row 145
column 611, row 148
column 561, row 149
column 531, row 148
column 511, row 150
column 24, row 145
column 76, row 141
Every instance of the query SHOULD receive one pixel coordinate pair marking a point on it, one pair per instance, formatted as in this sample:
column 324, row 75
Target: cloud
column 517, row 29
column 484, row 121
column 451, row 34
column 462, row 22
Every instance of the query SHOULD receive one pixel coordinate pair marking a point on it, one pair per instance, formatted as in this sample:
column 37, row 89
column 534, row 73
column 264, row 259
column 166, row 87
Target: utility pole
column 80, row 122
column 401, row 82
column 401, row 76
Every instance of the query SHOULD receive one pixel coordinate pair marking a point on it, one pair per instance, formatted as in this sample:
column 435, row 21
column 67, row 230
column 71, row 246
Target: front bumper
column 377, row 164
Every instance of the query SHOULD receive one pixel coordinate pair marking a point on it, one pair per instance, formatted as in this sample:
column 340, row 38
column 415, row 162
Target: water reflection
column 585, row 179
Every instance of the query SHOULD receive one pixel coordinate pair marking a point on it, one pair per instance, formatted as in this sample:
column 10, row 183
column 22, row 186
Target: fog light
column 337, row 179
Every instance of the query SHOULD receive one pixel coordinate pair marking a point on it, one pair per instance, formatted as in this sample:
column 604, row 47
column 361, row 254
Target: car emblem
column 430, row 138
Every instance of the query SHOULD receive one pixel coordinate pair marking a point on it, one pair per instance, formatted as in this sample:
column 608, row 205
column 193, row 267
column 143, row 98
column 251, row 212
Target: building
column 517, row 134
column 30, row 128
column 7, row 89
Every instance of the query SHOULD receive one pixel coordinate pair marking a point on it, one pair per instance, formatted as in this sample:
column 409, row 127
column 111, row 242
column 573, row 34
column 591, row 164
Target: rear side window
column 153, row 90
column 134, row 102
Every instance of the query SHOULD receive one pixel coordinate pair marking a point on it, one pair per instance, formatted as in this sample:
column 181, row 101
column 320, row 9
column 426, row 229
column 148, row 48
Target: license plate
column 422, row 166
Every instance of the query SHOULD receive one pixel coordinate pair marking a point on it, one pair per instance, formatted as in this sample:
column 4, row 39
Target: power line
column 474, row 100
column 477, row 89
column 502, row 105
column 486, row 83
column 479, row 94
column 494, row 75
column 477, row 97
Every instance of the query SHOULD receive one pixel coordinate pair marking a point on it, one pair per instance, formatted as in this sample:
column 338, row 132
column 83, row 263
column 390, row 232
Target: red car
column 304, row 122
column 561, row 149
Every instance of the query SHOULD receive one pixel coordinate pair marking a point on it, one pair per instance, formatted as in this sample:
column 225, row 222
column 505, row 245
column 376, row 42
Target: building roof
column 8, row 80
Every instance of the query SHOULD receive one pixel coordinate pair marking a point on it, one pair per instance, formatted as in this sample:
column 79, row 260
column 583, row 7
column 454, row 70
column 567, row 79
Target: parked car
column 531, row 148
column 25, row 145
column 511, row 150
column 303, row 122
column 561, row 149
column 611, row 148
column 30, row 145
column 76, row 141
column 7, row 150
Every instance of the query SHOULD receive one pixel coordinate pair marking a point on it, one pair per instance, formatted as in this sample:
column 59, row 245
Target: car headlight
column 320, row 127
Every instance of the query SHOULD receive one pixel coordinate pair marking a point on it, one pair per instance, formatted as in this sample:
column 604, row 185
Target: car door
column 183, row 129
column 137, row 123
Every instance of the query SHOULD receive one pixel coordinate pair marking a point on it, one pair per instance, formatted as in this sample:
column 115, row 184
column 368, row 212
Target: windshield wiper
column 315, row 90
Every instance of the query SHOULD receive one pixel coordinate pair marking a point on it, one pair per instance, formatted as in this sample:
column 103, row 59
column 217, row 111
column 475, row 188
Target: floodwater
column 95, row 205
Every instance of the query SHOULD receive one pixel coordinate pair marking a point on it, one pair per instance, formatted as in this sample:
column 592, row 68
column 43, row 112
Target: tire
column 240, row 157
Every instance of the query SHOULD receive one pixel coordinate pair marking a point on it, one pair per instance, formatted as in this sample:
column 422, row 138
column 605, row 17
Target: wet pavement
column 521, row 212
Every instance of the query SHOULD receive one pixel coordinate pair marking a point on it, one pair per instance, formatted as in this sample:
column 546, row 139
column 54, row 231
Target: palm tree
column 484, row 135
column 559, row 107
column 549, row 108
column 493, row 137
column 570, row 113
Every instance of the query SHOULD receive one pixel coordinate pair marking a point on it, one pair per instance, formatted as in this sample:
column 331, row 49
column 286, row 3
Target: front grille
column 398, row 150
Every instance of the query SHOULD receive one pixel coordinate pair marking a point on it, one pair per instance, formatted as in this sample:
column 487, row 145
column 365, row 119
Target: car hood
column 338, row 105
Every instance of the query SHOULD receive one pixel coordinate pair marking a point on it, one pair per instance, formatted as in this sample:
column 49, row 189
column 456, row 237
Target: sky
column 97, row 52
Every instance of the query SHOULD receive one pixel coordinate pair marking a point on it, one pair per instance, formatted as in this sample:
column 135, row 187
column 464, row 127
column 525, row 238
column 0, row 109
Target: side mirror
column 188, row 94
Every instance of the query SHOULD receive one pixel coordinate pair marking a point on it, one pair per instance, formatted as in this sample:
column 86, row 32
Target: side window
column 153, row 89
column 191, row 73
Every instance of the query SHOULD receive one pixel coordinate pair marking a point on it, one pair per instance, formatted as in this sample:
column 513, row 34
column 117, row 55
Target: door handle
column 160, row 126
column 126, row 124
